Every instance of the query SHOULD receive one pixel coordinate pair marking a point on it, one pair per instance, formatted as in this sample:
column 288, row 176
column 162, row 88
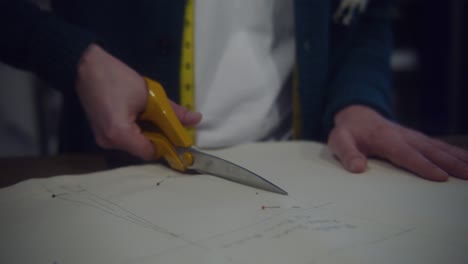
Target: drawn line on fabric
column 127, row 217
column 160, row 181
column 372, row 242
column 284, row 211
column 118, row 211
column 305, row 221
column 80, row 195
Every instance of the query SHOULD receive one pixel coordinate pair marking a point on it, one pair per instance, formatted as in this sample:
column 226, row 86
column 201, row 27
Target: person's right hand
column 113, row 95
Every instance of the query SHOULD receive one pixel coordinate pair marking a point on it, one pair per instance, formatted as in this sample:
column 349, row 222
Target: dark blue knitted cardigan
column 338, row 65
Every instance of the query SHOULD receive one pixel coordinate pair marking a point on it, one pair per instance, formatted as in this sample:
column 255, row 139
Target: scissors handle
column 166, row 150
column 159, row 112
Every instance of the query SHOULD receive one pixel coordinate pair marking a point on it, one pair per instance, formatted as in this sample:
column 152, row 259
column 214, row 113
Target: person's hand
column 361, row 132
column 113, row 95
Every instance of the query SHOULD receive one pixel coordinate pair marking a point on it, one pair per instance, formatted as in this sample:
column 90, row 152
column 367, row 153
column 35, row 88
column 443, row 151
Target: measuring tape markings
column 187, row 67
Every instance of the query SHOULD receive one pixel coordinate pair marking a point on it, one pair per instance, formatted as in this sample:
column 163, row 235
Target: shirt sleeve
column 360, row 64
column 38, row 41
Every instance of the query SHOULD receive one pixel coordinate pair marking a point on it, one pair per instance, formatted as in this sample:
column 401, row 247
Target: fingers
column 359, row 131
column 186, row 117
column 135, row 143
column 459, row 153
column 448, row 158
column 344, row 147
column 403, row 155
column 128, row 138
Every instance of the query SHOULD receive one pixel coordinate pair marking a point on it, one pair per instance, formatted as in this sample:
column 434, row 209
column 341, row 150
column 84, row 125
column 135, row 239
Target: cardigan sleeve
column 36, row 40
column 360, row 64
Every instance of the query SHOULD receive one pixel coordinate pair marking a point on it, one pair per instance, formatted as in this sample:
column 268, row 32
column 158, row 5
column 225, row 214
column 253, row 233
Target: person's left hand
column 361, row 132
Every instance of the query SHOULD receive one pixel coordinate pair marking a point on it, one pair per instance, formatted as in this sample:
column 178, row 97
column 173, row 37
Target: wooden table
column 16, row 169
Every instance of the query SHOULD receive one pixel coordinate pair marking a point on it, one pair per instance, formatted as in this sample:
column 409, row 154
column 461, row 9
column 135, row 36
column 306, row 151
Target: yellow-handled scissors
column 174, row 145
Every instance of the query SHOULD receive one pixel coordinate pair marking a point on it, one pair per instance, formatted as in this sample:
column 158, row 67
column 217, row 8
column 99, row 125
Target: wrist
column 353, row 112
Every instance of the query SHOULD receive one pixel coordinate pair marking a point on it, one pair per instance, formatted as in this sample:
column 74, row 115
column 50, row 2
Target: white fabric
column 244, row 55
column 151, row 214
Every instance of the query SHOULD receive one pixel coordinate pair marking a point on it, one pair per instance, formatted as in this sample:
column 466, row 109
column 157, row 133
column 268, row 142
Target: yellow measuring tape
column 187, row 73
column 187, row 66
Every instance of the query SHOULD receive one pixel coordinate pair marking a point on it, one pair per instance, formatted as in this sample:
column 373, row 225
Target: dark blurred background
column 429, row 65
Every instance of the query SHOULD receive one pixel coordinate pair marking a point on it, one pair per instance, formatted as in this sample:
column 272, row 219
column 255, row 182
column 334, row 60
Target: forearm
column 361, row 73
column 37, row 41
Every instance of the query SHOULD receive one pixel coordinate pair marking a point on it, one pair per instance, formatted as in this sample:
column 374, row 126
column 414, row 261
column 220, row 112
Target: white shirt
column 244, row 55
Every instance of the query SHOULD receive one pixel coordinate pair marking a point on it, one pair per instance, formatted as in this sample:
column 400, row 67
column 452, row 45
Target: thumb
column 344, row 146
column 133, row 141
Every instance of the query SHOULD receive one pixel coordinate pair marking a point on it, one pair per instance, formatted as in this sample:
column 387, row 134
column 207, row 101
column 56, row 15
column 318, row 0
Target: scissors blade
column 206, row 163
